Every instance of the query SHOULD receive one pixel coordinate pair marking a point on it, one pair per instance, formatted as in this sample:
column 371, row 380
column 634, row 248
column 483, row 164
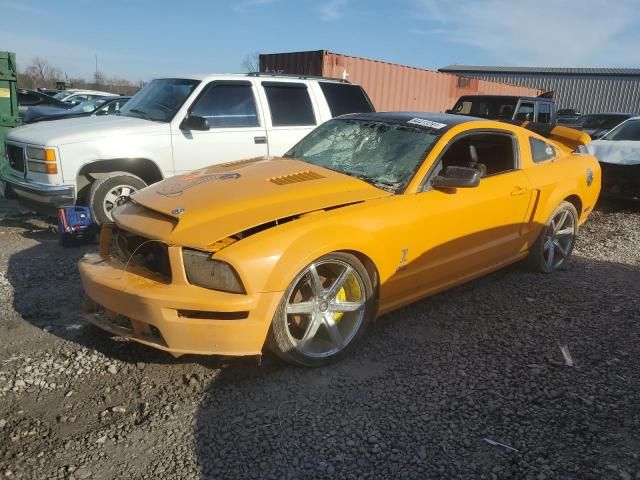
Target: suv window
column 228, row 105
column 289, row 103
column 344, row 98
column 486, row 106
column 541, row 151
column 525, row 112
column 490, row 153
column 544, row 112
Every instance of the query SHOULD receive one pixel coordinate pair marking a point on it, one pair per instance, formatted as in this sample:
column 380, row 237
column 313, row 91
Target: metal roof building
column 591, row 90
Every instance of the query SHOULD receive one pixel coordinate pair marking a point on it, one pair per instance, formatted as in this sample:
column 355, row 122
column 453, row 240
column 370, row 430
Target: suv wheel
column 110, row 191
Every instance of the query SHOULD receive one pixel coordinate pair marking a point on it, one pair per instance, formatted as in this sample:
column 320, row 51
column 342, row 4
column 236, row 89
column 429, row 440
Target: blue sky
column 141, row 39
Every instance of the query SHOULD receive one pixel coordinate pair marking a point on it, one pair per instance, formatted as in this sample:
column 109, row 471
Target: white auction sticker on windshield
column 427, row 123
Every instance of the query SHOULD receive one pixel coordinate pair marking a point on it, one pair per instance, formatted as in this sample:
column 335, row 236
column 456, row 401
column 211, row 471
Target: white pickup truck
column 172, row 126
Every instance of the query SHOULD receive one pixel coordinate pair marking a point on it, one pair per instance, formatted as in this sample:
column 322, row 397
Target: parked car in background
column 568, row 115
column 31, row 98
column 97, row 106
column 618, row 152
column 507, row 108
column 597, row 124
column 75, row 97
column 172, row 126
column 49, row 91
column 366, row 214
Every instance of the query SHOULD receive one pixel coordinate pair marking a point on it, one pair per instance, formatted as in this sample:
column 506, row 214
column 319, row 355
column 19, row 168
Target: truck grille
column 15, row 155
column 135, row 250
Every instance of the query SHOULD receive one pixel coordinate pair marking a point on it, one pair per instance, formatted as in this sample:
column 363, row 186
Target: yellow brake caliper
column 351, row 286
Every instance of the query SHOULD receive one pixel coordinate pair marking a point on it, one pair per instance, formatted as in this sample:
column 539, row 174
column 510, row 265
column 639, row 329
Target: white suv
column 172, row 126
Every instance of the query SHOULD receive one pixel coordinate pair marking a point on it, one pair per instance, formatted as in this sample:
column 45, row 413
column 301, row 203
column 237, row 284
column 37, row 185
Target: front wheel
column 323, row 312
column 110, row 191
column 555, row 243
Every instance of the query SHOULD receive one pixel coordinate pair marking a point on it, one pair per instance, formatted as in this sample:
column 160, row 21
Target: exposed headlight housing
column 42, row 160
column 204, row 271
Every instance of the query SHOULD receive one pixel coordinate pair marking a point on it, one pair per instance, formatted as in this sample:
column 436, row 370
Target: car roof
column 448, row 119
column 620, row 114
column 75, row 92
column 523, row 97
column 270, row 76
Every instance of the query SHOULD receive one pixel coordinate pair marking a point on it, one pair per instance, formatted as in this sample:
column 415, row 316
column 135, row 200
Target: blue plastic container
column 75, row 226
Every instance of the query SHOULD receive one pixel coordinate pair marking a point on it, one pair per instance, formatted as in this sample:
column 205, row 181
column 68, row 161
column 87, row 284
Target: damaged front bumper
column 173, row 315
column 620, row 181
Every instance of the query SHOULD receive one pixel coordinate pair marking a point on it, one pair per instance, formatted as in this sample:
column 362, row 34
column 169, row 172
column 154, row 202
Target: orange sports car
column 366, row 214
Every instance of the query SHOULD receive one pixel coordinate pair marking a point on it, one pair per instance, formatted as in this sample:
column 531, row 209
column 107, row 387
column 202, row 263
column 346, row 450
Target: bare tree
column 251, row 62
column 99, row 78
column 40, row 73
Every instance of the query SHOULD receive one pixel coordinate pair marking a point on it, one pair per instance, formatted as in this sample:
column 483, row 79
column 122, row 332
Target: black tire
column 538, row 260
column 279, row 340
column 103, row 186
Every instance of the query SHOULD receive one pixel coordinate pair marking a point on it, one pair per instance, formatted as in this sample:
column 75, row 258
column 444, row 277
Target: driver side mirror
column 194, row 122
column 456, row 177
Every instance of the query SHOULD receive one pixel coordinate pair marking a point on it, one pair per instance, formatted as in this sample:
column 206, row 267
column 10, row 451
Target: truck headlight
column 42, row 160
column 204, row 271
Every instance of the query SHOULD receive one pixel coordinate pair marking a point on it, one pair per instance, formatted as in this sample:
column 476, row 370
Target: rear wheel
column 110, row 191
column 324, row 311
column 555, row 243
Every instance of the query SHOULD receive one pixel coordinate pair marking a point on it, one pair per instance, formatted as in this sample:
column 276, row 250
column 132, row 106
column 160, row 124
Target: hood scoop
column 295, row 178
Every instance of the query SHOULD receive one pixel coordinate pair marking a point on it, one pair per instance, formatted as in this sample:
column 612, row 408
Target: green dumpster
column 8, row 97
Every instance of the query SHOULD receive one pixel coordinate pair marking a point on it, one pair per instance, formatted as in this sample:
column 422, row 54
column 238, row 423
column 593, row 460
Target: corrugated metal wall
column 390, row 86
column 589, row 93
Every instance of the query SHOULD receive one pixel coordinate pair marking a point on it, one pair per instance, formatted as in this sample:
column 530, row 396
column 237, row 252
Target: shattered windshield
column 160, row 100
column 383, row 154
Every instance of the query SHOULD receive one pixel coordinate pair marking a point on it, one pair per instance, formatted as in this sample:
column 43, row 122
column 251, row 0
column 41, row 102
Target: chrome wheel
column 115, row 197
column 559, row 238
column 325, row 308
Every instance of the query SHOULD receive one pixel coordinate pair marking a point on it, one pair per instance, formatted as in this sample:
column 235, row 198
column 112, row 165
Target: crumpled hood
column 83, row 129
column 222, row 200
column 618, row 152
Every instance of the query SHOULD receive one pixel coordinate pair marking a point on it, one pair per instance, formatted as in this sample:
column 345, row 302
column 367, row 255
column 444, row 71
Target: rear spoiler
column 568, row 139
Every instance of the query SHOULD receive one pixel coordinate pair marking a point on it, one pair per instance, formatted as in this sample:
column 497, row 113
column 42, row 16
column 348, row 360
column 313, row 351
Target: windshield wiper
column 387, row 185
column 382, row 184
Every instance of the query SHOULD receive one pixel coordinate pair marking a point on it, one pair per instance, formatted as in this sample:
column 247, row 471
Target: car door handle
column 518, row 191
column 260, row 140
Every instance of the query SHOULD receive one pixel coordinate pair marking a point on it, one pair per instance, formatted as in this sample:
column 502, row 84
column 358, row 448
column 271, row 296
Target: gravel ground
column 418, row 399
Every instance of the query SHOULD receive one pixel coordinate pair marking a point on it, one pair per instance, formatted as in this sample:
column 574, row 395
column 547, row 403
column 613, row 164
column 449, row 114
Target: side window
column 116, row 106
column 544, row 112
column 490, row 153
column 228, row 105
column 289, row 103
column 78, row 98
column 541, row 151
column 344, row 98
column 28, row 99
column 525, row 112
column 463, row 107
